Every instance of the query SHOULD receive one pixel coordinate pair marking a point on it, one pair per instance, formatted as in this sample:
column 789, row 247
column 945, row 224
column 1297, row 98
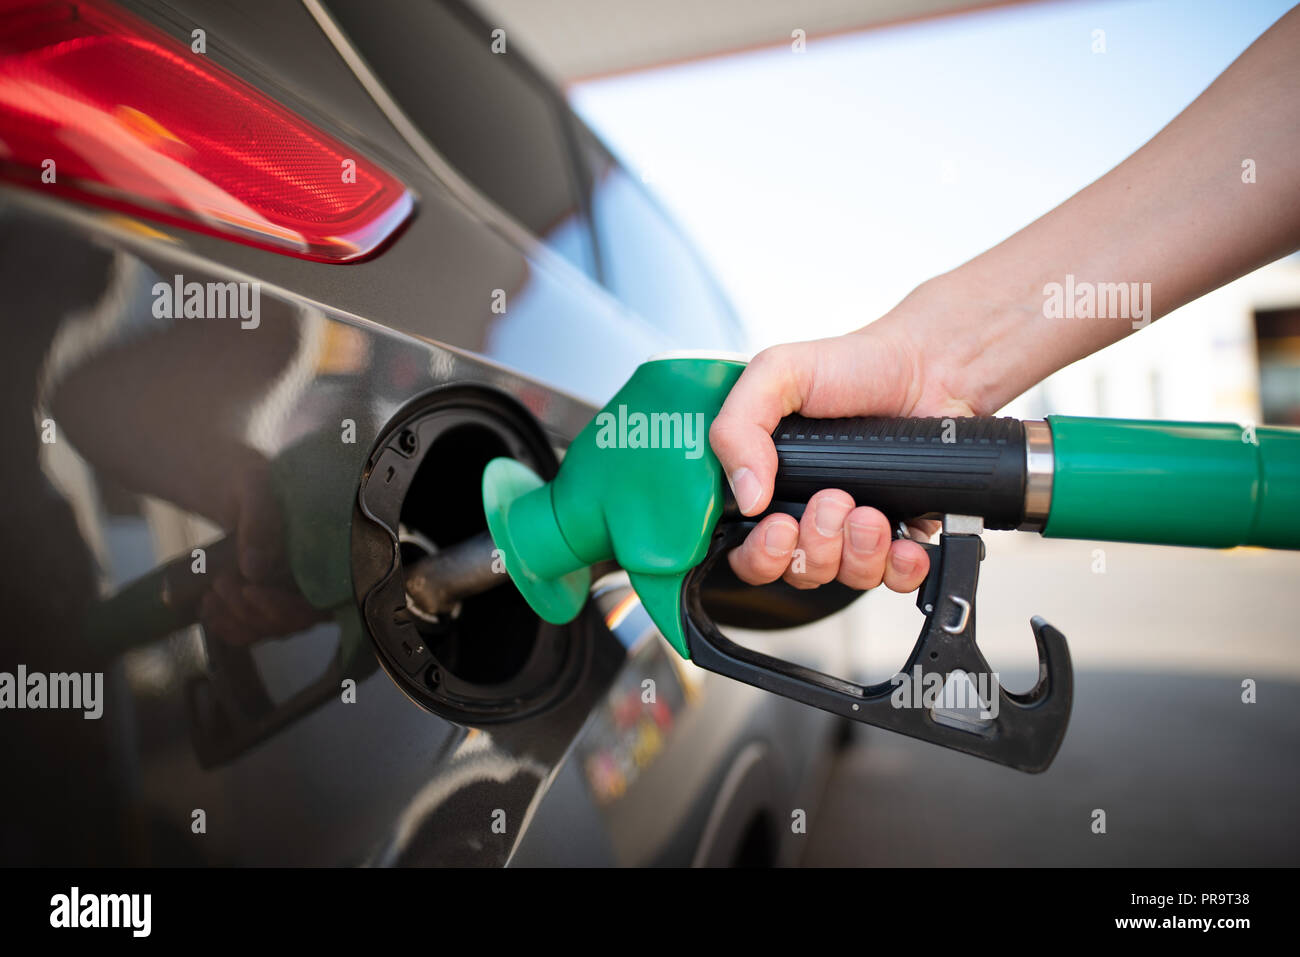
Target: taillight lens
column 132, row 119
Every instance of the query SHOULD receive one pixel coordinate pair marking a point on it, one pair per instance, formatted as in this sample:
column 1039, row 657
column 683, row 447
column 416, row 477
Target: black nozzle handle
column 908, row 467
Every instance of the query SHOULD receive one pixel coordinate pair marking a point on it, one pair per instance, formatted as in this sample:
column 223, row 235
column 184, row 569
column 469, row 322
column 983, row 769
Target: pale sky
column 823, row 186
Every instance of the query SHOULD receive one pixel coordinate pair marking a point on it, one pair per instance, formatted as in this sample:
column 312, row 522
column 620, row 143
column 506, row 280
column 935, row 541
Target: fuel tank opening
column 448, row 625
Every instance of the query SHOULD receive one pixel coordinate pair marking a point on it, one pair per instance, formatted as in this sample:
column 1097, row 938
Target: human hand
column 877, row 370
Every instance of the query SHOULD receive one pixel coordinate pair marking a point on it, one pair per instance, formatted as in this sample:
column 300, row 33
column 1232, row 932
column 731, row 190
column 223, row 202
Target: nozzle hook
column 946, row 693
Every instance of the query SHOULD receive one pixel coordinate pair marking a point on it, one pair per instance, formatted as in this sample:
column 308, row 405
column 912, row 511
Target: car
column 280, row 279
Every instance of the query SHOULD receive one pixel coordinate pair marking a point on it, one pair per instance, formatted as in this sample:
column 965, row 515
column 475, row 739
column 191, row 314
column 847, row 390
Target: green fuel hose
column 1174, row 483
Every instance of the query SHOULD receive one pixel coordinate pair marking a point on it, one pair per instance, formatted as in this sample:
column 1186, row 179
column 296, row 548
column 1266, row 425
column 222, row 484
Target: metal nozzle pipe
column 438, row 582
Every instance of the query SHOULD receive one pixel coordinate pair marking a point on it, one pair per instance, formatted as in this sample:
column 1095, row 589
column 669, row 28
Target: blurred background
column 828, row 158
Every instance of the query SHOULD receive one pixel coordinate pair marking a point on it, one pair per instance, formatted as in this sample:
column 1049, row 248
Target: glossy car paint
column 169, row 433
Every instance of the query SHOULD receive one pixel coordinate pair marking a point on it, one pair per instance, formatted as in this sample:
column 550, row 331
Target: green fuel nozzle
column 640, row 486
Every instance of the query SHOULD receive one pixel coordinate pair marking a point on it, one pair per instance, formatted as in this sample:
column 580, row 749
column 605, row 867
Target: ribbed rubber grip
column 908, row 467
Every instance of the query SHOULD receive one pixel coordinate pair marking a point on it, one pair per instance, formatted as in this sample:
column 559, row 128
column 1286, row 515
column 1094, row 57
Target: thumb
column 769, row 389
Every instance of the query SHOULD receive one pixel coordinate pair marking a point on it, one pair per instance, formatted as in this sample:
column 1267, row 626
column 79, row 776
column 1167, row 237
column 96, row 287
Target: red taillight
column 134, row 120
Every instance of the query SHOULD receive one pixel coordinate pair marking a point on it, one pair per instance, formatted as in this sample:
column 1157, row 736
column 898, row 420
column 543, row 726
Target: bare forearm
column 1178, row 214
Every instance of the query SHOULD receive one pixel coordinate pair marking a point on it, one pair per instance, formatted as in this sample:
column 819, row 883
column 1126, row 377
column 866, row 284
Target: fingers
column 906, row 567
column 770, row 388
column 857, row 374
column 868, row 372
column 866, row 547
column 833, row 541
column 821, row 536
column 923, row 529
column 765, row 554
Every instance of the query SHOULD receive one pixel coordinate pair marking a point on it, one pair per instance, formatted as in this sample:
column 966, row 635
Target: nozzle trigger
column 946, row 693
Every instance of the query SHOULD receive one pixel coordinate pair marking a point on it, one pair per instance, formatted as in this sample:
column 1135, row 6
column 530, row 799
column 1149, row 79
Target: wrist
column 969, row 339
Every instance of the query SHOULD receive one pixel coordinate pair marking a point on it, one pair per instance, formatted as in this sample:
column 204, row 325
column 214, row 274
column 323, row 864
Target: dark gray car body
column 203, row 754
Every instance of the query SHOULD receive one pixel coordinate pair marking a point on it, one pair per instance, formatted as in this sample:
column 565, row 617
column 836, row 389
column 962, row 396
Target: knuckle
column 801, row 582
column 772, row 362
column 860, row 576
column 720, row 428
column 814, row 573
column 816, row 554
column 755, row 568
column 748, row 574
column 764, row 358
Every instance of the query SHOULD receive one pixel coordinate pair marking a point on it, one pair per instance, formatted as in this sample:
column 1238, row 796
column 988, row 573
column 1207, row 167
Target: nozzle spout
column 437, row 583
